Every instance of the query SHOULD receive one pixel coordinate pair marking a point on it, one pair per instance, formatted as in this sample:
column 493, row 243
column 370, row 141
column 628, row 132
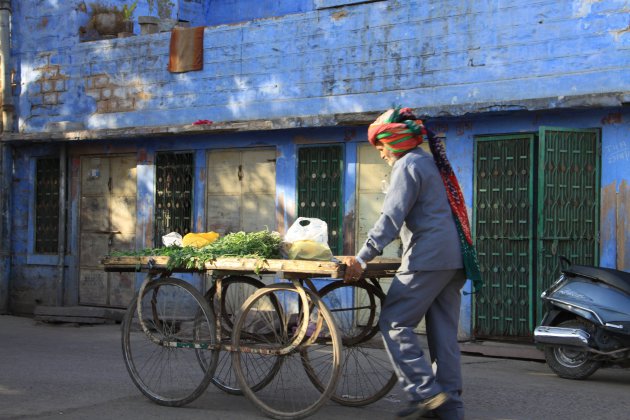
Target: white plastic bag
column 308, row 229
column 307, row 239
column 172, row 239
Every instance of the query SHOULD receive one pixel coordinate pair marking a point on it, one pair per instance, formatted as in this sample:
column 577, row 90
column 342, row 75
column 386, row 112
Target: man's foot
column 419, row 408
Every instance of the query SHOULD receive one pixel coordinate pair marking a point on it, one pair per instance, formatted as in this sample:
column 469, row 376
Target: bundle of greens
column 260, row 245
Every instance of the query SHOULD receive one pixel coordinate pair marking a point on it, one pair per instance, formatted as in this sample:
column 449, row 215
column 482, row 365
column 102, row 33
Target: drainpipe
column 6, row 107
column 62, row 226
column 5, row 68
column 6, row 174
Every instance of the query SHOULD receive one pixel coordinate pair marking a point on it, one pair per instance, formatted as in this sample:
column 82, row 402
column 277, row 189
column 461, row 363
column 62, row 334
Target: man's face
column 386, row 154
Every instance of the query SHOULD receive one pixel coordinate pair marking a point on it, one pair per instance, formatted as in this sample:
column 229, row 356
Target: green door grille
column 503, row 215
column 568, row 201
column 173, row 194
column 319, row 189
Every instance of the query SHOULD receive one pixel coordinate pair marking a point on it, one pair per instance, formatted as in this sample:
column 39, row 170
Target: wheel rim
column 570, row 358
column 289, row 394
column 172, row 312
column 235, row 290
column 366, row 373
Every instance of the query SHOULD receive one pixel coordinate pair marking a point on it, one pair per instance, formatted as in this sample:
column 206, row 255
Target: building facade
column 105, row 148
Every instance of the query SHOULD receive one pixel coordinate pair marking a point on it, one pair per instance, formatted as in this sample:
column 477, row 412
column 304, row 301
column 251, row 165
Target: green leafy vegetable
column 260, row 245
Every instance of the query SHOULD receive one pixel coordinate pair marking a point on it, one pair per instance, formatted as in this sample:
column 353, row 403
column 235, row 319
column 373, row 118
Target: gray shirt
column 416, row 207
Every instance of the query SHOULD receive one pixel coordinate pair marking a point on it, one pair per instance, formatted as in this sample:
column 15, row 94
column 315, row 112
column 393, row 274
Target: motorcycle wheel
column 571, row 362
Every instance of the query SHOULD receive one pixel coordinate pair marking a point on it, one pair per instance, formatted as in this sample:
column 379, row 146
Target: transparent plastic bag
column 307, row 239
column 308, row 229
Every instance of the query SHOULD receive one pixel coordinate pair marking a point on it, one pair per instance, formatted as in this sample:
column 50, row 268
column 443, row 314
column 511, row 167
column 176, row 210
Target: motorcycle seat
column 609, row 276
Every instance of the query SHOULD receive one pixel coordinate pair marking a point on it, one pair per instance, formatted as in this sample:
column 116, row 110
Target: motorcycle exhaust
column 561, row 336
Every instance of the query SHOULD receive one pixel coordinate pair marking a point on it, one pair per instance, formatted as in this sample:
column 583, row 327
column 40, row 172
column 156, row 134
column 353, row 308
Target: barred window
column 174, row 174
column 47, row 206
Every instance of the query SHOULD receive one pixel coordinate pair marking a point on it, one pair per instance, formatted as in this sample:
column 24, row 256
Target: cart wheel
column 366, row 373
column 234, row 291
column 262, row 334
column 162, row 360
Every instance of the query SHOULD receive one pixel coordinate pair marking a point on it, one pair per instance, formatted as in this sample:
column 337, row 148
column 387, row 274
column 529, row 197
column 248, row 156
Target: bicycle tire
column 234, row 291
column 366, row 373
column 290, row 395
column 160, row 360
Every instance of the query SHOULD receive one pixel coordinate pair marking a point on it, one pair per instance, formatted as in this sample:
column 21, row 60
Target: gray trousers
column 436, row 296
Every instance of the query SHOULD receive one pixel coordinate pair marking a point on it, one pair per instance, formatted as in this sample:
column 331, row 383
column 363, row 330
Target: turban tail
column 399, row 138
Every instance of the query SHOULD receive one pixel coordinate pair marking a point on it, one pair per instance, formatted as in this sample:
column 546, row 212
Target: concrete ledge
column 78, row 314
column 609, row 99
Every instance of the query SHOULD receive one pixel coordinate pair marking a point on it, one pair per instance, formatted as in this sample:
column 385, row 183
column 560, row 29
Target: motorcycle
column 587, row 321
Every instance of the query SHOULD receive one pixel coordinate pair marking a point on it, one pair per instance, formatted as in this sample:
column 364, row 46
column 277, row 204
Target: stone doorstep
column 78, row 314
column 502, row 349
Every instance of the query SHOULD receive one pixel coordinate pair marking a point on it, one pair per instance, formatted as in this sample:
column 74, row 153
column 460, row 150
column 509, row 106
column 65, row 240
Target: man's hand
column 353, row 270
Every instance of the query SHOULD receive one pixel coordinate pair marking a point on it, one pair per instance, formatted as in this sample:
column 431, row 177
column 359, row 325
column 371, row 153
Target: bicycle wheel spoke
column 173, row 312
column 289, row 393
column 365, row 373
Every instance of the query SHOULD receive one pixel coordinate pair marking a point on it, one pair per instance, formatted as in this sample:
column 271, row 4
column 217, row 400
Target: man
column 425, row 207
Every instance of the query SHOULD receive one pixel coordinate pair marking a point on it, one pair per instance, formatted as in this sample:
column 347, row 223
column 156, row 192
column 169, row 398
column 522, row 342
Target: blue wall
column 446, row 56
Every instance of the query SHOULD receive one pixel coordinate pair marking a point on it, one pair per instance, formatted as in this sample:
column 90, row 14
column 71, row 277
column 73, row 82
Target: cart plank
column 376, row 268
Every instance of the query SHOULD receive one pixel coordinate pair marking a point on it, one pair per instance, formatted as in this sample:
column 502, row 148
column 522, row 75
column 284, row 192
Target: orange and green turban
column 397, row 137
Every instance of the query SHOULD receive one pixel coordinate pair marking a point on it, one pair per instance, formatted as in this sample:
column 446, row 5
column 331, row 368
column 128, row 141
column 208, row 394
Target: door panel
column 123, row 172
column 259, row 171
column 223, row 213
column 93, row 209
column 241, row 190
column 94, row 246
column 319, row 187
column 121, row 288
column 503, row 233
column 372, row 181
column 123, row 214
column 94, row 176
column 568, row 201
column 93, row 287
column 107, row 223
column 223, row 174
column 259, row 211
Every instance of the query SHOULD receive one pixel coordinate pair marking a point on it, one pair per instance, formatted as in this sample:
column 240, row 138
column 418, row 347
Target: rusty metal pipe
column 6, row 99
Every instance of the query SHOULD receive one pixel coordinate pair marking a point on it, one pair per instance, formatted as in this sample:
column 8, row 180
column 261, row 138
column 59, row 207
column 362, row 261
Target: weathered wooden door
column 241, row 190
column 536, row 198
column 107, row 223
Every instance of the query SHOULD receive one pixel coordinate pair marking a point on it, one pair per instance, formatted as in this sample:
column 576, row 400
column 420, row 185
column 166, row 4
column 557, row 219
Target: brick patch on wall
column 111, row 95
column 51, row 84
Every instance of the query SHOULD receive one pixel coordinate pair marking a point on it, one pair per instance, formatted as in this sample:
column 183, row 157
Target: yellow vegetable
column 199, row 240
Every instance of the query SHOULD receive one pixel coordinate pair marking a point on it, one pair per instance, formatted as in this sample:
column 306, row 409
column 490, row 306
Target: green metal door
column 568, row 201
column 319, row 189
column 503, row 220
column 536, row 198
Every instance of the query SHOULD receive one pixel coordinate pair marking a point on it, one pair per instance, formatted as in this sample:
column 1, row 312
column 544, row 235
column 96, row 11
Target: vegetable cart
column 286, row 346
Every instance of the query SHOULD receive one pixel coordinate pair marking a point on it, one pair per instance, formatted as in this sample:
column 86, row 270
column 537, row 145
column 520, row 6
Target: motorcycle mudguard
column 595, row 301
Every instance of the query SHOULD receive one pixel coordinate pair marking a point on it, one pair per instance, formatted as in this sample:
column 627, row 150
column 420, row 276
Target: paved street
column 64, row 371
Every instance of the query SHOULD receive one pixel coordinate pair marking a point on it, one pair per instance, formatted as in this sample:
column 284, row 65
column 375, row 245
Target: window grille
column 47, row 206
